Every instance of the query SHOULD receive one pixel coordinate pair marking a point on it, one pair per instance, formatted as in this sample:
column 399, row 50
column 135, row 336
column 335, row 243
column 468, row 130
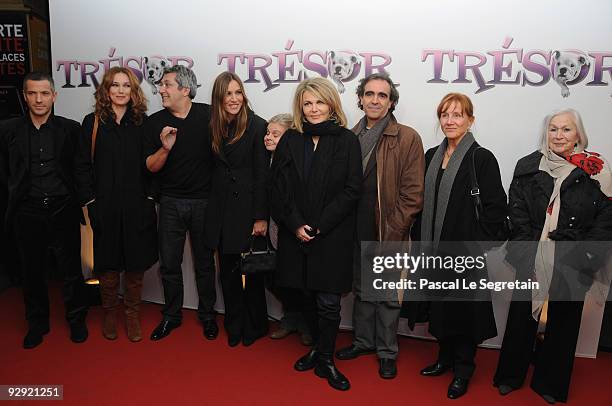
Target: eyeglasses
column 166, row 84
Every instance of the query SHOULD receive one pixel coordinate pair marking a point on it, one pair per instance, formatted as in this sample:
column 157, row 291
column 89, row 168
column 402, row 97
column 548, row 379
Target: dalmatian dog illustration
column 567, row 66
column 341, row 66
column 154, row 70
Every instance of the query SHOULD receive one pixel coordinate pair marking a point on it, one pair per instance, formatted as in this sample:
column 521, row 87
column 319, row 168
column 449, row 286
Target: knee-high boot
column 109, row 288
column 133, row 292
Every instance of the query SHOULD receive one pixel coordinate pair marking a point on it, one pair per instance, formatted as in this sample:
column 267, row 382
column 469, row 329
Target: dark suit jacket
column 15, row 157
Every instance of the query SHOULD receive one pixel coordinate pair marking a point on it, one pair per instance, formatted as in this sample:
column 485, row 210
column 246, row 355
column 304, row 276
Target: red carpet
column 186, row 369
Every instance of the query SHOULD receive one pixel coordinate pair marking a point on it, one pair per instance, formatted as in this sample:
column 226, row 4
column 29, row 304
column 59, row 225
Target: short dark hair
column 36, row 76
column 394, row 96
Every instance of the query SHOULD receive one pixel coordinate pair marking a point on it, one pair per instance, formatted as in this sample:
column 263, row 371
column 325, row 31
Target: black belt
column 47, row 201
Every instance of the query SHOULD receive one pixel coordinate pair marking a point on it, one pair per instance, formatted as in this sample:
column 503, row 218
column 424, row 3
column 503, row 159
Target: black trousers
column 40, row 225
column 322, row 313
column 555, row 360
column 458, row 352
column 176, row 218
column 246, row 312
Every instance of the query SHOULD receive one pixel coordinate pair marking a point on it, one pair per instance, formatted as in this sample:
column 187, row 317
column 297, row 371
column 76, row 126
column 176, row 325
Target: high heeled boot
column 131, row 299
column 109, row 288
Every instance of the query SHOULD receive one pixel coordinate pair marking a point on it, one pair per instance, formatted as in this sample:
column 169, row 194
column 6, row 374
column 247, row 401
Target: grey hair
column 185, row 78
column 583, row 140
column 38, row 76
column 284, row 119
column 394, row 96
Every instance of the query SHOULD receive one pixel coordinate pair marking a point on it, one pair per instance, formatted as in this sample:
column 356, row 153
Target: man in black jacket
column 37, row 161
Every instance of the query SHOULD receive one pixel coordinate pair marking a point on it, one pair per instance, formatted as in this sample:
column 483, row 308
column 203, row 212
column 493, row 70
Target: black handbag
column 505, row 230
column 257, row 262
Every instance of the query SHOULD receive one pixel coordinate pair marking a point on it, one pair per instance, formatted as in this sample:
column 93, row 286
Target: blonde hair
column 323, row 90
column 283, row 119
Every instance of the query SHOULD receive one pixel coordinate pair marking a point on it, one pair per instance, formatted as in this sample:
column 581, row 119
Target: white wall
column 508, row 115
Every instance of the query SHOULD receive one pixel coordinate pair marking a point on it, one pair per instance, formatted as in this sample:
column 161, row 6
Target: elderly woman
column 316, row 179
column 559, row 193
column 292, row 320
column 238, row 209
column 449, row 215
column 121, row 214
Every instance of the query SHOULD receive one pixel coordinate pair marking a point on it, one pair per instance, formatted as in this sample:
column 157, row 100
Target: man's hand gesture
column 168, row 137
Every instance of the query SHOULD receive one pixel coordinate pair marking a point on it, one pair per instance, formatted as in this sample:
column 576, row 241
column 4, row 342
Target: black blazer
column 327, row 200
column 15, row 157
column 239, row 190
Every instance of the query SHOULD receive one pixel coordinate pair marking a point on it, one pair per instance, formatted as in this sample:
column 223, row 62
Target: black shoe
column 457, row 388
column 434, row 370
column 211, row 330
column 34, row 337
column 353, row 352
column 549, row 399
column 307, row 362
column 78, row 332
column 247, row 342
column 505, row 389
column 163, row 329
column 326, row 369
column 233, row 341
column 387, row 369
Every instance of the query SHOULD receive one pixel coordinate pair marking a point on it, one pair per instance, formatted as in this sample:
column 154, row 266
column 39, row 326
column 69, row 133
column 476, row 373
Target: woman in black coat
column 316, row 180
column 559, row 194
column 237, row 210
column 449, row 215
column 121, row 212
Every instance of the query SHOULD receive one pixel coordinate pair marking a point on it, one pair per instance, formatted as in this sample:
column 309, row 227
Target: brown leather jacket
column 400, row 174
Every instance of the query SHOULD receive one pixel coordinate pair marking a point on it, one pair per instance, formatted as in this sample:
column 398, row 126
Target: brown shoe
column 306, row 339
column 281, row 333
column 133, row 292
column 109, row 288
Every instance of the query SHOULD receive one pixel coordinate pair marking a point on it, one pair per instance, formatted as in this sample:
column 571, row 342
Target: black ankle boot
column 326, row 369
column 307, row 362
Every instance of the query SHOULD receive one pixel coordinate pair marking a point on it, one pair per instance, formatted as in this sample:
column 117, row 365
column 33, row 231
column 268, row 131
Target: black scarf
column 329, row 127
column 324, row 129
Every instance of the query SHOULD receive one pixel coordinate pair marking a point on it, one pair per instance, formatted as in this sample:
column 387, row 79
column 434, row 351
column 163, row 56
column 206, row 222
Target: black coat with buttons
column 239, row 190
column 326, row 200
column 585, row 213
column 122, row 216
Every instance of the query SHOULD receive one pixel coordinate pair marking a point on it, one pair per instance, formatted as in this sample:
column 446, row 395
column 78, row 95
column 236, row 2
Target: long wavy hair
column 137, row 104
column 220, row 120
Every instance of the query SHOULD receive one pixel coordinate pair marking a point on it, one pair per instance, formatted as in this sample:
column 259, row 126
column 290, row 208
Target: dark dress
column 472, row 319
column 123, row 216
column 238, row 198
column 460, row 325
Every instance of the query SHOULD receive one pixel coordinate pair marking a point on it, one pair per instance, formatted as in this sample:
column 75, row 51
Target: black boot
column 307, row 362
column 326, row 369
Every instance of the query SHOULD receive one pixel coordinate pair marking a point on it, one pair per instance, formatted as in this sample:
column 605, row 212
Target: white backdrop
column 417, row 42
